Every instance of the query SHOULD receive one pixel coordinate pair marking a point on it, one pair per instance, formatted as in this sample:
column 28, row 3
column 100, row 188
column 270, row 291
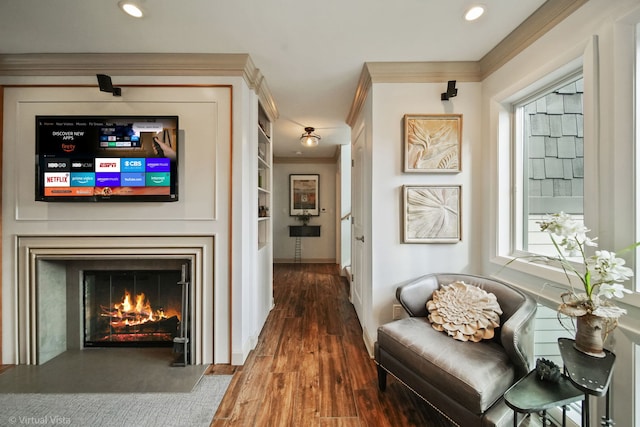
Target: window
column 550, row 166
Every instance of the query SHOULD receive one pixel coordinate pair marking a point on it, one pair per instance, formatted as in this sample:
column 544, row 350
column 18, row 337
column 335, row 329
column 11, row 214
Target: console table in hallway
column 299, row 231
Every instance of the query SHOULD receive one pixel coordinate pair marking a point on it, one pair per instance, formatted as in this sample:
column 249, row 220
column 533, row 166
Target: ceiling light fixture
column 309, row 138
column 474, row 12
column 131, row 9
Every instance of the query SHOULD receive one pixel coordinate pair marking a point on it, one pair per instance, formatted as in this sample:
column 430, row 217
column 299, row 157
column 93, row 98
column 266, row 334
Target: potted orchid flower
column 592, row 306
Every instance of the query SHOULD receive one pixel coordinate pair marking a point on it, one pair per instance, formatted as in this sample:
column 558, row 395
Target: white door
column 358, row 239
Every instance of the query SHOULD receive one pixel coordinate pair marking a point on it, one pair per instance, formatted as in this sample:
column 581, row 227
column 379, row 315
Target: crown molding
column 535, row 26
column 423, row 72
column 362, row 91
column 128, row 64
column 142, row 64
column 547, row 16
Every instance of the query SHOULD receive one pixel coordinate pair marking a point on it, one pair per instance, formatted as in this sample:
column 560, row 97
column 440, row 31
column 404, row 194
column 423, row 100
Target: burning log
column 167, row 325
column 124, row 316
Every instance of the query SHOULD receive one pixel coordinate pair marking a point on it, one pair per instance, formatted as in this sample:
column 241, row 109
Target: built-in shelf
column 265, row 176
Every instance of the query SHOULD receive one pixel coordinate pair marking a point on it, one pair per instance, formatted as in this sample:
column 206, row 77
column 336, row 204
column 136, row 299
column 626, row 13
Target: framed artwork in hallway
column 431, row 214
column 303, row 194
column 432, row 143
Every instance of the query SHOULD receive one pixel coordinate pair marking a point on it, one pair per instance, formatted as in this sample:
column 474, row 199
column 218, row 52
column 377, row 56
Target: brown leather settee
column 464, row 381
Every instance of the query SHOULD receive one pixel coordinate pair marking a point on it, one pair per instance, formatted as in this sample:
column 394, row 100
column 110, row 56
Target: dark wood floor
column 311, row 368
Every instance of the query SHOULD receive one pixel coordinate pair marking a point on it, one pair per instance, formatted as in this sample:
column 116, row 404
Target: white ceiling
column 311, row 54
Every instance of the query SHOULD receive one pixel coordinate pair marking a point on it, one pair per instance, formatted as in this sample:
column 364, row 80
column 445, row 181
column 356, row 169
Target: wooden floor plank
column 340, row 422
column 252, row 392
column 336, row 393
column 278, row 403
column 268, row 343
column 370, row 410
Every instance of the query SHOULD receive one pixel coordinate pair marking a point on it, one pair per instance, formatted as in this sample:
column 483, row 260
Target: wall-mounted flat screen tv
column 106, row 158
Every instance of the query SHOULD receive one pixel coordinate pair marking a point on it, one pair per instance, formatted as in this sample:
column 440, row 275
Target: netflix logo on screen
column 57, row 179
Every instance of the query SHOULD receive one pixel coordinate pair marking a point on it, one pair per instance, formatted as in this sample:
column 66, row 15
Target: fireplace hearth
column 132, row 308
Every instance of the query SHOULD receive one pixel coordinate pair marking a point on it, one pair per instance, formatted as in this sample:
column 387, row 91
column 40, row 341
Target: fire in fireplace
column 132, row 308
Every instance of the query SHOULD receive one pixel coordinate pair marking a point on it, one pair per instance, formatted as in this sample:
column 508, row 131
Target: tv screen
column 107, row 158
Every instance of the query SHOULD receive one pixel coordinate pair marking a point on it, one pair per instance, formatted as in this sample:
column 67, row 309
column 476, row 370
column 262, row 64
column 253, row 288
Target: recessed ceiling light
column 131, row 9
column 474, row 12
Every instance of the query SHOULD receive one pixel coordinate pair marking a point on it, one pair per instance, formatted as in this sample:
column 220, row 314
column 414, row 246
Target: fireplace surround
column 50, row 288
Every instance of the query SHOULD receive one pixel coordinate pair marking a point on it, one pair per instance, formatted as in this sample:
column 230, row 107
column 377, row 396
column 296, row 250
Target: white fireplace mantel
column 198, row 250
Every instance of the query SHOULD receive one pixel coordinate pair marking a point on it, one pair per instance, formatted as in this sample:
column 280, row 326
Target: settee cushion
column 465, row 312
column 474, row 374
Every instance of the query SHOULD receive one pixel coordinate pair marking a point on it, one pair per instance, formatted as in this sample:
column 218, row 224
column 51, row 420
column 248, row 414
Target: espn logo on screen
column 107, row 164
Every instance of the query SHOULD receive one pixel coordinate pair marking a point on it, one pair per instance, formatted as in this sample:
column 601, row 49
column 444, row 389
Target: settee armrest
column 413, row 296
column 517, row 337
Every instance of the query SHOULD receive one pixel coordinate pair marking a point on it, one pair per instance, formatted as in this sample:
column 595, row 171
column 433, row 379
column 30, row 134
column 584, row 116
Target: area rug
column 192, row 409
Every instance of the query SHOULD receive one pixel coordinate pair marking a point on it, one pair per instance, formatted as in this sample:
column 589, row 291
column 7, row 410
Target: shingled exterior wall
column 554, row 129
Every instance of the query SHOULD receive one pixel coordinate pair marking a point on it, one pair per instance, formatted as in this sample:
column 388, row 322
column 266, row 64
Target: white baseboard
column 238, row 359
column 368, row 342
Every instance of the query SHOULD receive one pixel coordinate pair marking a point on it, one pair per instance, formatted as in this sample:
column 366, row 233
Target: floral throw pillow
column 465, row 312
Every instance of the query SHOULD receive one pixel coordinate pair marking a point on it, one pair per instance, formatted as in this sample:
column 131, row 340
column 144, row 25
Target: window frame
column 521, row 164
column 507, row 256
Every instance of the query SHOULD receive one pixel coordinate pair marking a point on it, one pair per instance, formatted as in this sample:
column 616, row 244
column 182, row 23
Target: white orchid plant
column 603, row 273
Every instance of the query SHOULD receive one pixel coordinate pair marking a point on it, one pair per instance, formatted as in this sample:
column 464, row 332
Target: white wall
column 314, row 249
column 344, row 203
column 393, row 262
column 600, row 36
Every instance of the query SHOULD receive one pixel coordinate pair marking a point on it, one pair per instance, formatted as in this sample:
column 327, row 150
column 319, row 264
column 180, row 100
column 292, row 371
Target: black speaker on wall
column 106, row 85
column 451, row 91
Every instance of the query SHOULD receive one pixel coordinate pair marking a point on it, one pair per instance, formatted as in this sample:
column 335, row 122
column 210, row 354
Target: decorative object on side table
column 548, row 371
column 596, row 315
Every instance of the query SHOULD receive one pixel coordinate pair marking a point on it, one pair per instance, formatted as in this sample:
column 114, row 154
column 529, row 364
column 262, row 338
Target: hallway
column 311, row 368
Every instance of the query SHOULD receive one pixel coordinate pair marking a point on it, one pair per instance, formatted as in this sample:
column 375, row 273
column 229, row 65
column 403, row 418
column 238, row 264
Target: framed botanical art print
column 432, row 143
column 431, row 214
column 303, row 194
